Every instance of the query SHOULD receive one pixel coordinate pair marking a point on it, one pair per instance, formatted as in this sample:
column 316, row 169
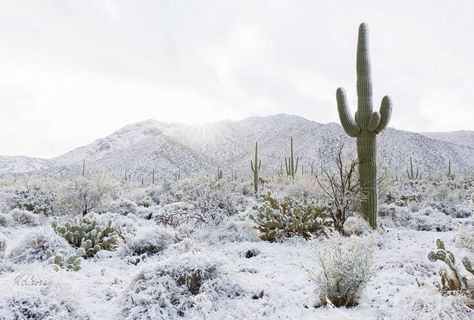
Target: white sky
column 74, row 71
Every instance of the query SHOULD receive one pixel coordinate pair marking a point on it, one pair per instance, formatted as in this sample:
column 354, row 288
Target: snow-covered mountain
column 140, row 148
column 463, row 137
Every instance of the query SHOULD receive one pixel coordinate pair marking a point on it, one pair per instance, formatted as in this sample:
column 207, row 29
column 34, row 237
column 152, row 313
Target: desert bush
column 3, row 245
column 87, row 194
column 35, row 200
column 42, row 307
column 342, row 190
column 465, row 239
column 24, row 217
column 284, row 218
column 168, row 289
column 88, row 234
column 5, row 220
column 151, row 241
column 237, row 228
column 345, row 266
column 34, row 245
column 122, row 207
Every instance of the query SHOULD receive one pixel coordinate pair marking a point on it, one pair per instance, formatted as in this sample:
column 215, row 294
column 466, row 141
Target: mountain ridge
column 139, row 148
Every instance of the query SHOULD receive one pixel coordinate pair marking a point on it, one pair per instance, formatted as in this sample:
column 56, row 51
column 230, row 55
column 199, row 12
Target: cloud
column 73, row 71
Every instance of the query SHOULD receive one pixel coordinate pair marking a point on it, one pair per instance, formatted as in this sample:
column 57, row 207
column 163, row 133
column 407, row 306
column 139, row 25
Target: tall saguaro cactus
column 291, row 166
column 365, row 126
column 255, row 165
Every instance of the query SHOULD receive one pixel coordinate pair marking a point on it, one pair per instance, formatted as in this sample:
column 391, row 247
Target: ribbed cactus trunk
column 365, row 126
column 255, row 166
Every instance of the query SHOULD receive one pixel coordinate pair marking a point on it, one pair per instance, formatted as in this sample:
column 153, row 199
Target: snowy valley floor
column 254, row 279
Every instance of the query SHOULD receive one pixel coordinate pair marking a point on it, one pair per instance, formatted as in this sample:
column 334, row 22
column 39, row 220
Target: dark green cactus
column 449, row 280
column 411, row 173
column 365, row 126
column 290, row 164
column 255, row 165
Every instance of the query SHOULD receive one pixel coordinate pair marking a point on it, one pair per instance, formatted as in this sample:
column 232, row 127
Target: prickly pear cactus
column 365, row 126
column 450, row 281
column 89, row 235
column 64, row 260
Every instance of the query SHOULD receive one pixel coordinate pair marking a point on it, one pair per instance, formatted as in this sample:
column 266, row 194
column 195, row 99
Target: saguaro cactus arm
column 347, row 122
column 385, row 114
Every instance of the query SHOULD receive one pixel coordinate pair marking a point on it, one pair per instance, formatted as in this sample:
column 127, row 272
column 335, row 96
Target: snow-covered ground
column 242, row 277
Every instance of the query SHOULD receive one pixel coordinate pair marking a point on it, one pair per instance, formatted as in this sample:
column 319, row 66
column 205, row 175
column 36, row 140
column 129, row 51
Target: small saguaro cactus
column 84, row 168
column 255, row 165
column 177, row 175
column 219, row 174
column 411, row 173
column 153, row 176
column 450, row 175
column 290, row 164
column 365, row 126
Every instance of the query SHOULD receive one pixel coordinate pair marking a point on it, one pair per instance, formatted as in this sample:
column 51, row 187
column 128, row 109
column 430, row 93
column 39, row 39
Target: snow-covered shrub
column 5, row 220
column 356, row 225
column 420, row 303
column 41, row 307
column 173, row 214
column 465, row 239
column 24, row 217
column 212, row 202
column 3, row 245
column 454, row 210
column 87, row 194
column 88, row 234
column 122, row 206
column 34, row 245
column 284, row 218
column 431, row 219
column 151, row 241
column 36, row 200
column 425, row 218
column 345, row 266
column 237, row 228
column 168, row 290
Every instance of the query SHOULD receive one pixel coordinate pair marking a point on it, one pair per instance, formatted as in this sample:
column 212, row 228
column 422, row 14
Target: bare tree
column 88, row 193
column 343, row 189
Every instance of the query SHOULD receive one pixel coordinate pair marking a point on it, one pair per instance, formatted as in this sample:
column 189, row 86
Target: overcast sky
column 74, row 71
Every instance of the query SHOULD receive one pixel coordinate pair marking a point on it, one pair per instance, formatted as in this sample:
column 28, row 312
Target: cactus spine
column 365, row 126
column 411, row 173
column 291, row 166
column 255, row 165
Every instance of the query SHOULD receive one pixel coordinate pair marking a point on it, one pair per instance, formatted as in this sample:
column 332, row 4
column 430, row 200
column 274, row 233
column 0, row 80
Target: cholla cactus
column 450, row 281
column 283, row 218
column 89, row 235
column 63, row 260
